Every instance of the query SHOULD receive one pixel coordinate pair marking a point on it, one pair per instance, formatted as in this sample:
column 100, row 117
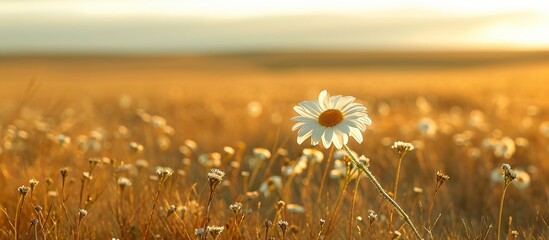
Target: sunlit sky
column 149, row 26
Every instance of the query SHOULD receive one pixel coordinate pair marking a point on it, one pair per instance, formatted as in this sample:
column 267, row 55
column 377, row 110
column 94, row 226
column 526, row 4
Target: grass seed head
column 199, row 232
column 402, row 147
column 236, row 207
column 38, row 208
column 508, row 173
column 441, row 177
column 82, row 213
column 215, row 230
column 268, row 223
column 123, row 183
column 64, row 172
column 163, row 173
column 23, row 190
column 283, row 225
column 171, row 210
column 215, row 177
column 33, row 182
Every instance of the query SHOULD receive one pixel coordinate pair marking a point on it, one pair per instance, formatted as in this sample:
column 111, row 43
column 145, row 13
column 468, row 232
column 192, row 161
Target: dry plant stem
column 266, row 233
column 206, row 216
column 328, row 161
column 77, row 230
column 336, row 207
column 81, row 192
column 431, row 207
column 149, row 221
column 395, row 188
column 18, row 215
column 383, row 193
column 501, row 209
column 353, row 205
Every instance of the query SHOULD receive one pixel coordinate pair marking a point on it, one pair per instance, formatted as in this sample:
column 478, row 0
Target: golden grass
column 207, row 99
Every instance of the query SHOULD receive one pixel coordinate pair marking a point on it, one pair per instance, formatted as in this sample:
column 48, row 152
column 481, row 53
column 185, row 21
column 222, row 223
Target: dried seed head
column 87, row 175
column 82, row 213
column 268, row 223
column 322, row 222
column 38, row 208
column 123, row 183
column 283, row 225
column 64, row 172
column 199, row 232
column 171, row 210
column 34, row 221
column 280, row 204
column 49, row 181
column 33, row 182
column 235, row 207
column 402, row 147
column 163, row 173
column 23, row 190
column 215, row 230
column 508, row 173
column 514, row 234
column 215, row 177
column 372, row 216
column 441, row 177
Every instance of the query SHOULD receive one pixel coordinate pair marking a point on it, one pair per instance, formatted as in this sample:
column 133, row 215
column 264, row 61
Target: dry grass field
column 94, row 130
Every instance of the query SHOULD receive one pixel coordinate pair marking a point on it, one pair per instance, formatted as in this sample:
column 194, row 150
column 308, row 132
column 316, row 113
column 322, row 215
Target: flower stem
column 501, row 210
column 18, row 215
column 395, row 188
column 383, row 193
column 328, row 161
column 351, row 220
column 149, row 221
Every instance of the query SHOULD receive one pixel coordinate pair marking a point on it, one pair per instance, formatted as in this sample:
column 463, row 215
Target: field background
column 207, row 98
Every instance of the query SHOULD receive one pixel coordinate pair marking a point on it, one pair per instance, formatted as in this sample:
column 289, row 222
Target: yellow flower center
column 330, row 118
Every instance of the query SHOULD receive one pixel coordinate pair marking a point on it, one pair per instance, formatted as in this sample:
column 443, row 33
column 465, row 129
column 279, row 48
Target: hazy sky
column 148, row 26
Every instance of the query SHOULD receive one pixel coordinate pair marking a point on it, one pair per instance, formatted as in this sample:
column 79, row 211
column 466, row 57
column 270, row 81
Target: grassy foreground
column 102, row 134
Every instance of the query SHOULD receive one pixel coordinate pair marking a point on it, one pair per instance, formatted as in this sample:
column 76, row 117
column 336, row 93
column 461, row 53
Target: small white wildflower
column 402, row 147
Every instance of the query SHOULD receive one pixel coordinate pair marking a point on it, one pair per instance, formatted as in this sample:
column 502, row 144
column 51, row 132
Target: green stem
column 383, row 193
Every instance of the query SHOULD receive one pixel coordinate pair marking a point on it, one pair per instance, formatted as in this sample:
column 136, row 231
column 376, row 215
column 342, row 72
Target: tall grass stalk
column 501, row 208
column 353, row 201
column 22, row 193
column 395, row 187
column 328, row 161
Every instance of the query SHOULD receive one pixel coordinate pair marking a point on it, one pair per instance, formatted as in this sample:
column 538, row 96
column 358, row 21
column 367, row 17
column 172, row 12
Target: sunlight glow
column 513, row 24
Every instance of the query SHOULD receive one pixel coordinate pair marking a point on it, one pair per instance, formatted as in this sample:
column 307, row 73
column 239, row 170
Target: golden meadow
column 121, row 147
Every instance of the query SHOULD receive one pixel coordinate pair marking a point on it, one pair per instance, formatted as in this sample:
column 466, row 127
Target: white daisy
column 331, row 119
